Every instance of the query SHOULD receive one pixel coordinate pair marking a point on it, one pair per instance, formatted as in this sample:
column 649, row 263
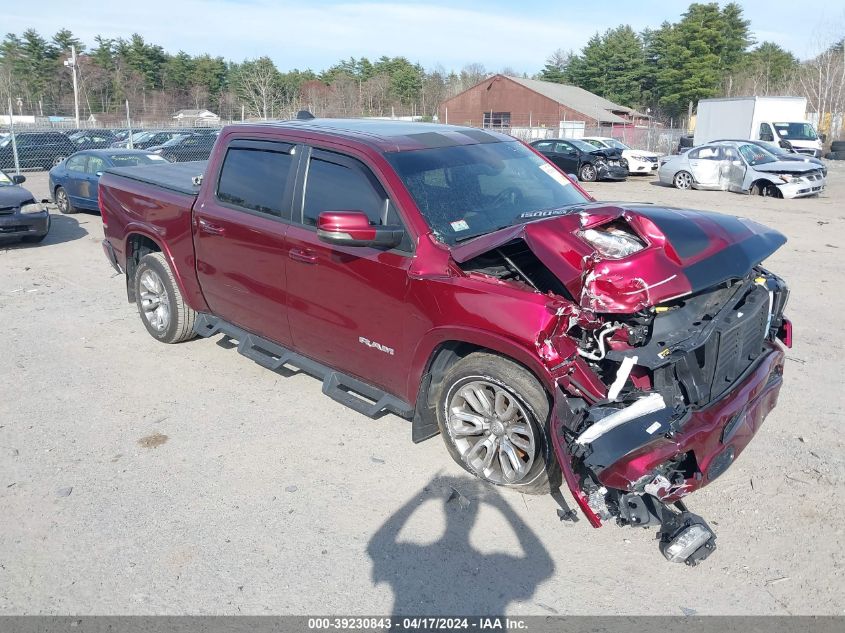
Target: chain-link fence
column 39, row 144
column 42, row 146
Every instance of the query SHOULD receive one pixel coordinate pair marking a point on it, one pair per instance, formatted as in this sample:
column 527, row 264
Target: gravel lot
column 140, row 478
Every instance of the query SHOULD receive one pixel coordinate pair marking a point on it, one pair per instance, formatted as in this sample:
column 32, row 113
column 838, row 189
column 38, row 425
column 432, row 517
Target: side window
column 255, row 179
column 705, row 153
column 766, row 133
column 563, row 148
column 95, row 164
column 545, row 146
column 77, row 163
column 332, row 186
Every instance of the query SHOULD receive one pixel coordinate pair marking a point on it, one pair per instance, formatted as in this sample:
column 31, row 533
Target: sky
column 515, row 34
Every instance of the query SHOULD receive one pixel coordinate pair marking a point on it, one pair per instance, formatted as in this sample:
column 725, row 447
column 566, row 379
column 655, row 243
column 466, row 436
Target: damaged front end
column 666, row 351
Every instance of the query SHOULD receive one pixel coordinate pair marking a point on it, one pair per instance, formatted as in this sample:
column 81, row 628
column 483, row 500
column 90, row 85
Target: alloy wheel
column 588, row 173
column 61, row 200
column 492, row 432
column 155, row 304
column 683, row 180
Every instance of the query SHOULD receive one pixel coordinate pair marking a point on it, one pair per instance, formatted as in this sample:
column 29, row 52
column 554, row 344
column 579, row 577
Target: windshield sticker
column 459, row 225
column 156, row 157
column 554, row 173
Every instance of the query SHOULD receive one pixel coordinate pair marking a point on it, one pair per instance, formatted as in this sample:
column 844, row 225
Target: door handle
column 212, row 229
column 304, row 256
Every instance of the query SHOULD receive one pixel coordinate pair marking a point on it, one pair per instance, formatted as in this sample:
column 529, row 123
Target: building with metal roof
column 502, row 101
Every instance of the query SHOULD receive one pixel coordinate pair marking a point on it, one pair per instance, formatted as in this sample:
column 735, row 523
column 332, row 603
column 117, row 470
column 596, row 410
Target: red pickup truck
column 456, row 278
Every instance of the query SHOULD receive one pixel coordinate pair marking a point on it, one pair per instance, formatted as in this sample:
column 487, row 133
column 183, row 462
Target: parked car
column 685, row 143
column 122, row 135
column 149, row 138
column 460, row 280
column 186, row 148
column 73, row 183
column 36, row 150
column 92, row 139
column 639, row 161
column 742, row 167
column 21, row 216
column 781, row 153
column 584, row 160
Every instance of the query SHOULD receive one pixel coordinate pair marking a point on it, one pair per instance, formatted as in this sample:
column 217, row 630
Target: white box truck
column 781, row 120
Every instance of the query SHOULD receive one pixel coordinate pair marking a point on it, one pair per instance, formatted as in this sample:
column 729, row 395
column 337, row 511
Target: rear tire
column 508, row 445
column 63, row 202
column 160, row 304
column 682, row 180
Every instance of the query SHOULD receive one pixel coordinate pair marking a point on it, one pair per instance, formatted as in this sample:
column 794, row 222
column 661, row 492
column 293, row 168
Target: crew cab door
column 239, row 224
column 346, row 304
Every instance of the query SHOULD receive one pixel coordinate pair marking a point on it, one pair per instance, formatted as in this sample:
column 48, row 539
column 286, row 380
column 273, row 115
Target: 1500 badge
column 374, row 345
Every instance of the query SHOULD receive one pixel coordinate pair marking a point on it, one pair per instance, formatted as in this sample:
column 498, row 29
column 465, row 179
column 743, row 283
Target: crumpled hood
column 608, row 152
column 13, row 196
column 687, row 251
column 787, row 166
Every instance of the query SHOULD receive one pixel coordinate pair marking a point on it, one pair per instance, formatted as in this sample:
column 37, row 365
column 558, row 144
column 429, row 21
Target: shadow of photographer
column 450, row 576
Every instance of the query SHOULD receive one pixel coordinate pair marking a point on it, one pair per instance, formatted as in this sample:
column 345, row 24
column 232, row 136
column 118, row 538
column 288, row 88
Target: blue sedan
column 73, row 182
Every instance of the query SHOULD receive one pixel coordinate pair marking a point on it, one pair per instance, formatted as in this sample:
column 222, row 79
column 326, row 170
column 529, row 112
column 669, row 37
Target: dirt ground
column 140, row 478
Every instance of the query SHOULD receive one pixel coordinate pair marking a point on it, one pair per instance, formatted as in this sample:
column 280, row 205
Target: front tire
column 682, row 180
column 587, row 173
column 493, row 416
column 63, row 202
column 163, row 310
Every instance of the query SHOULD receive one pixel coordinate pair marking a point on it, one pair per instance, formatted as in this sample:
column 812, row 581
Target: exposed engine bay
column 657, row 394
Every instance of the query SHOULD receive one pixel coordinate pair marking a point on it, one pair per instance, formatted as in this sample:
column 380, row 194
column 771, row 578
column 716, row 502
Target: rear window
column 132, row 160
column 254, row 179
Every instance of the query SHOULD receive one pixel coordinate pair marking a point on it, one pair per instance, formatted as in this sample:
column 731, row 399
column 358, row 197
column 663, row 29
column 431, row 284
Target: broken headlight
column 687, row 542
column 788, row 178
column 613, row 241
column 33, row 207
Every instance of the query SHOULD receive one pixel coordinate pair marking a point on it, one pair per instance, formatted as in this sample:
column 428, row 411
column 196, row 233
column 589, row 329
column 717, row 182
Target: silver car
column 741, row 167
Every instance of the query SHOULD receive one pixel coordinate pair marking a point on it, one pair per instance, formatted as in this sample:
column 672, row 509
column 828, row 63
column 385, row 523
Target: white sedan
column 741, row 167
column 639, row 161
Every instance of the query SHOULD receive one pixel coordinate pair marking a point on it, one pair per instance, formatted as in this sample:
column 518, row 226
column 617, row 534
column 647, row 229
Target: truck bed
column 178, row 177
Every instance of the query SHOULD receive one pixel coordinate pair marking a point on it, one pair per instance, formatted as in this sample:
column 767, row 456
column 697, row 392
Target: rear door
column 239, row 236
column 346, row 304
column 706, row 165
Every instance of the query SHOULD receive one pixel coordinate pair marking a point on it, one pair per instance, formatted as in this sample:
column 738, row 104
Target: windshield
column 4, row 179
column 595, row 143
column 470, row 190
column 132, row 160
column 6, row 140
column 139, row 137
column 582, row 145
column 756, row 155
column 616, row 143
column 796, row 131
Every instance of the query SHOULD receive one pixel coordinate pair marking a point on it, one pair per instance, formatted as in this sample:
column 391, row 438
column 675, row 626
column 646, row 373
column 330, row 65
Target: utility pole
column 14, row 142
column 129, row 126
column 71, row 63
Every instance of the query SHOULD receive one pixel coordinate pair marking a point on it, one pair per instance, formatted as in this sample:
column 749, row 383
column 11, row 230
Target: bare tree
column 257, row 82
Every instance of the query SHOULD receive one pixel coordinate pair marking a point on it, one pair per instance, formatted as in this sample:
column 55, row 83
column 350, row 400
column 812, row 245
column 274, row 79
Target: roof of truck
column 394, row 136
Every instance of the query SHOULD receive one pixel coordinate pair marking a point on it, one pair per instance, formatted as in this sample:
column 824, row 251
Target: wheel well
column 758, row 186
column 136, row 247
column 444, row 356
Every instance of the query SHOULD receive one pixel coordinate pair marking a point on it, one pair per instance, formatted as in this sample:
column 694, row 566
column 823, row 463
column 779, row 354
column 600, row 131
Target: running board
column 351, row 392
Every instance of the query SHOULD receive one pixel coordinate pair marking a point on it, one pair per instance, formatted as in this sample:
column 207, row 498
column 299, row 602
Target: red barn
column 504, row 101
